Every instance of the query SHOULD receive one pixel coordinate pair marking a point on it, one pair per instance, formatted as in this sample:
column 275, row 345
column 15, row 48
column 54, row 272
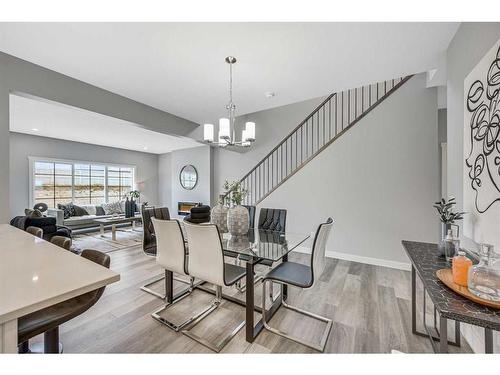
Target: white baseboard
column 360, row 259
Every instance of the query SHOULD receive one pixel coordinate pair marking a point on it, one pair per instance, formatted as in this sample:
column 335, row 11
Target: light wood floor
column 370, row 307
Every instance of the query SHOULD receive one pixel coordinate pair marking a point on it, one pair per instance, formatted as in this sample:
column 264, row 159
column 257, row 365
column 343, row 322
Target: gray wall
column 470, row 44
column 165, row 180
column 442, row 123
column 170, row 165
column 20, row 76
column 378, row 181
column 22, row 146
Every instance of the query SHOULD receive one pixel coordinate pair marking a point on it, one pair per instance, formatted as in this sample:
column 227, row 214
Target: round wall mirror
column 188, row 177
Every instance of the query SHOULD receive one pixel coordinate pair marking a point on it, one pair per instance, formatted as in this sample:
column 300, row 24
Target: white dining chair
column 206, row 262
column 171, row 255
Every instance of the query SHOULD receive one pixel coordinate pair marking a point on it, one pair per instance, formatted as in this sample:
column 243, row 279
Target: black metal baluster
column 336, row 115
column 296, row 149
column 323, row 124
column 362, row 99
column 355, row 102
column 330, row 119
column 348, row 107
column 342, row 112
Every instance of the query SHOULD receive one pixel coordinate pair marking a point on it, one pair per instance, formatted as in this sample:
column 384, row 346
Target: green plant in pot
column 238, row 221
column 448, row 217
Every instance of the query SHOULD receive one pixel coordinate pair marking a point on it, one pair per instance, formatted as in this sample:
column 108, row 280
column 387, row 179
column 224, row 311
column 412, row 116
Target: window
column 119, row 182
column 60, row 182
column 89, row 184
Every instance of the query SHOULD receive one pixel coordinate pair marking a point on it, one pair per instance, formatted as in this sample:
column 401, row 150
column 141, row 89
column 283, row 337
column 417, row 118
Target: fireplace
column 184, row 208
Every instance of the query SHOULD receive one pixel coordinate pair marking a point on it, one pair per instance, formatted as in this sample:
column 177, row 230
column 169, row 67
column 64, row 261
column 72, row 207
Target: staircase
column 328, row 122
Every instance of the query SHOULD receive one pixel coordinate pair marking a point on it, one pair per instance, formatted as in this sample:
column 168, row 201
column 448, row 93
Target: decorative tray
column 446, row 277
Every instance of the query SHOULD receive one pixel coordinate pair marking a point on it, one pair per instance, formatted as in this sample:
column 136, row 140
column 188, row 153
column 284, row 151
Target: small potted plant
column 448, row 217
column 238, row 221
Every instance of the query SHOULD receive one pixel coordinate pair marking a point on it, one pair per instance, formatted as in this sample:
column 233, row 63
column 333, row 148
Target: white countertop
column 35, row 274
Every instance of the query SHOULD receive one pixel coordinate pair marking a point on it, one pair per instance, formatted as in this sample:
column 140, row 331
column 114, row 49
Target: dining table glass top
column 263, row 244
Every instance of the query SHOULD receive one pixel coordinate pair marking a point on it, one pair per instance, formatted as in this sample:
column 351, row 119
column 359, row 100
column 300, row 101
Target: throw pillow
column 79, row 211
column 90, row 208
column 99, row 211
column 66, row 209
column 112, row 208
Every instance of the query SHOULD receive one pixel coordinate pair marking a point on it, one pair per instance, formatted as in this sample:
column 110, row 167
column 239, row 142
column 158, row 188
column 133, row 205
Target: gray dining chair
column 61, row 241
column 300, row 276
column 37, row 232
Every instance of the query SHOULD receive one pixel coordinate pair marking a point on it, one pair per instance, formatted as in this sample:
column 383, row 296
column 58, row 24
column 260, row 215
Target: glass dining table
column 255, row 247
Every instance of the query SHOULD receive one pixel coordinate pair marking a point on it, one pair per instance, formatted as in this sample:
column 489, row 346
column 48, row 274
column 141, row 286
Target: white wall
column 378, row 181
column 170, row 165
column 470, row 44
column 22, row 146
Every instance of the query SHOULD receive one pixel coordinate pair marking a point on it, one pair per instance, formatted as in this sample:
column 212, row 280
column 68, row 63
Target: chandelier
column 227, row 136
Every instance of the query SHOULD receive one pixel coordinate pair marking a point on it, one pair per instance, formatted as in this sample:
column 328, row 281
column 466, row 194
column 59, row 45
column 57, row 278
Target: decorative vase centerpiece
column 218, row 214
column 238, row 221
column 447, row 245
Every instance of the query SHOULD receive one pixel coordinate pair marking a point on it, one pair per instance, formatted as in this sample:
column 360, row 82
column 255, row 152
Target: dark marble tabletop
column 425, row 259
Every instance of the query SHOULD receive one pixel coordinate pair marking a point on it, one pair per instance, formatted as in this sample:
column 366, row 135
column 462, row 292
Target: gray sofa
column 81, row 222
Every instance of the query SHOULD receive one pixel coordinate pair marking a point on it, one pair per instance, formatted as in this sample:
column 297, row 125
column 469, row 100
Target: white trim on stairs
column 360, row 259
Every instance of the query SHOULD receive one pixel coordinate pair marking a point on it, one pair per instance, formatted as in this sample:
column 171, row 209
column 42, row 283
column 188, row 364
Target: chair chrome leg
column 146, row 288
column 326, row 332
column 213, row 306
column 171, row 325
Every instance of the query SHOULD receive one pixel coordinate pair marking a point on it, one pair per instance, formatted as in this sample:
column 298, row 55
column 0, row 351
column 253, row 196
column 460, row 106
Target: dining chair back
column 148, row 236
column 170, row 253
column 251, row 215
column 149, row 241
column 206, row 258
column 61, row 241
column 272, row 219
column 319, row 248
column 37, row 232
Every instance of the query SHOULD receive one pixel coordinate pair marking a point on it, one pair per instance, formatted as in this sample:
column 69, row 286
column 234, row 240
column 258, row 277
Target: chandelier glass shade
column 226, row 135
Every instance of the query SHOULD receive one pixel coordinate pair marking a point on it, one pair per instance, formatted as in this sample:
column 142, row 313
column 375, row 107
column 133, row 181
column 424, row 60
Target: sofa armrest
column 58, row 214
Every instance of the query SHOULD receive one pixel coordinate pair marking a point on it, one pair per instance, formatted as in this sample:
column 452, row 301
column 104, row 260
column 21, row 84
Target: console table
column 425, row 261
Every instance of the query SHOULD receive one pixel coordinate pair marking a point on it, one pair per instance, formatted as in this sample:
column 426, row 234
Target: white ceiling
column 179, row 67
column 54, row 120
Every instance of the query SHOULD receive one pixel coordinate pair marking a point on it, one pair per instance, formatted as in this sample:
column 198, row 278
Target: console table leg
column 443, row 335
column 413, row 301
column 488, row 341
